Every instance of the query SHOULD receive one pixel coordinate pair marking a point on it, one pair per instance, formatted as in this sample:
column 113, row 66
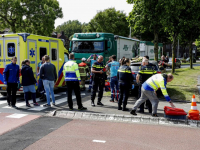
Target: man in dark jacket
column 28, row 82
column 49, row 76
column 11, row 79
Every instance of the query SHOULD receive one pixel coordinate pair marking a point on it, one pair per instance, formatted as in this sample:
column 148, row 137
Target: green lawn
column 184, row 84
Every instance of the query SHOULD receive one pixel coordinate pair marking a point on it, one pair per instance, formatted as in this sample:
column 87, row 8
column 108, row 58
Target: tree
column 72, row 26
column 111, row 21
column 191, row 23
column 173, row 21
column 33, row 16
column 145, row 19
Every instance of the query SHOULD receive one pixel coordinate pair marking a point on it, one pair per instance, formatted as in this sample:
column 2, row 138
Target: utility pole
column 130, row 33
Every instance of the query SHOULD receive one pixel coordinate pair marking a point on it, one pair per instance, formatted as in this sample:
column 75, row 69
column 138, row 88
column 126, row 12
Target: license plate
column 3, row 88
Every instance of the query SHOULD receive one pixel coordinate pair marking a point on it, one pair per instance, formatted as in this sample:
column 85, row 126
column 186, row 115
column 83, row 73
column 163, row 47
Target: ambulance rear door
column 53, row 53
column 32, row 53
column 1, row 61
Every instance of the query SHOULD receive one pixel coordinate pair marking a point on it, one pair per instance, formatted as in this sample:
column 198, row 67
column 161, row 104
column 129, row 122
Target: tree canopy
column 33, row 16
column 145, row 19
column 111, row 21
column 72, row 26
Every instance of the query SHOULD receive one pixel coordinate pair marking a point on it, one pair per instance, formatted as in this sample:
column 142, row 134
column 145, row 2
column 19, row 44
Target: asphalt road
column 184, row 66
column 48, row 133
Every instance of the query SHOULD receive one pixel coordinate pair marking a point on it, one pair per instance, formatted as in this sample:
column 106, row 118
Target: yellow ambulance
column 32, row 47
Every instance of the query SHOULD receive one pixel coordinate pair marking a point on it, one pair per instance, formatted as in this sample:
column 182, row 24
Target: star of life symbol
column 32, row 52
column 11, row 50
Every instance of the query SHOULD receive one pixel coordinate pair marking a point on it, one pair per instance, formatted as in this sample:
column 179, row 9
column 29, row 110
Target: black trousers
column 97, row 82
column 148, row 103
column 11, row 93
column 74, row 85
column 124, row 90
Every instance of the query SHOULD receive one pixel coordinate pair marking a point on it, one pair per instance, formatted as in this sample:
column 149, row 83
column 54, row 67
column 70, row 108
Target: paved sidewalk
column 111, row 108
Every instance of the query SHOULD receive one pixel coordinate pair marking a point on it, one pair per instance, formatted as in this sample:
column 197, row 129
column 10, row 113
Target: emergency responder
column 114, row 66
column 92, row 61
column 148, row 92
column 98, row 70
column 72, row 78
column 83, row 69
column 125, row 78
column 146, row 71
column 163, row 64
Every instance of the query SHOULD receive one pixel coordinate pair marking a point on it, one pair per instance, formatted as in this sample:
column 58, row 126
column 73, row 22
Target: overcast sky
column 85, row 10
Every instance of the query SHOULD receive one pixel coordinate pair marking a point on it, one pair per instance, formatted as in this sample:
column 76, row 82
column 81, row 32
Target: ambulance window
column 54, row 54
column 43, row 51
column 11, row 49
column 66, row 57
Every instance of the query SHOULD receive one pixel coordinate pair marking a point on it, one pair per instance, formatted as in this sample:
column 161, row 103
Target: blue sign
column 11, row 50
column 32, row 52
column 41, row 40
column 24, row 36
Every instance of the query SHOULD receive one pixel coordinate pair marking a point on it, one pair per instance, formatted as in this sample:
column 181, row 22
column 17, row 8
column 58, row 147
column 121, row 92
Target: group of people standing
column 121, row 81
column 48, row 77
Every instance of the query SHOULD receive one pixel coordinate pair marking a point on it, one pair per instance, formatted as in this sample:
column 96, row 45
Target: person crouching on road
column 72, row 78
column 49, row 76
column 98, row 80
column 125, row 78
column 28, row 83
column 114, row 66
column 148, row 92
column 83, row 69
column 11, row 79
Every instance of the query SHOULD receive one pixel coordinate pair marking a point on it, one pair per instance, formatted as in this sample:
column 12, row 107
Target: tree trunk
column 173, row 52
column 190, row 53
column 155, row 46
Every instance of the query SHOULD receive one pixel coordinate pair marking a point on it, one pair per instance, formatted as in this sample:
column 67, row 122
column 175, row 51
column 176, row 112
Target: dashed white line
column 99, row 141
column 17, row 116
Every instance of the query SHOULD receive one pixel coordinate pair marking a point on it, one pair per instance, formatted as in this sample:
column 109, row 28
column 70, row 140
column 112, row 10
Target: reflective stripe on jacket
column 83, row 69
column 71, row 71
column 158, row 81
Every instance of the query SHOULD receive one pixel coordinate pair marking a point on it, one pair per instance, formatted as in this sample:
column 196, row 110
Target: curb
column 124, row 118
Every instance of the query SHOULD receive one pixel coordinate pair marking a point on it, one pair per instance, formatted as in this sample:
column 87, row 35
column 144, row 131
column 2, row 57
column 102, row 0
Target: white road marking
column 82, row 93
column 99, row 141
column 3, row 102
column 17, row 105
column 61, row 101
column 73, row 97
column 17, row 116
column 38, row 108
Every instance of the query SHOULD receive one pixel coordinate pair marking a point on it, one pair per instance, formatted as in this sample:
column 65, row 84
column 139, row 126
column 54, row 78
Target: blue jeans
column 49, row 86
column 91, row 81
column 40, row 86
column 114, row 85
column 29, row 88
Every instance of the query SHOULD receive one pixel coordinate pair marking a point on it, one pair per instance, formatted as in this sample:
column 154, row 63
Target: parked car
column 135, row 69
column 177, row 62
column 188, row 60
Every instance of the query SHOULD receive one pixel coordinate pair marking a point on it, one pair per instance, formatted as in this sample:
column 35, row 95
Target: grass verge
column 184, row 84
column 187, row 63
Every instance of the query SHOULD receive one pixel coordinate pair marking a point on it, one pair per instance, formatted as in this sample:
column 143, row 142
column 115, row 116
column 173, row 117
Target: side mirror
column 70, row 46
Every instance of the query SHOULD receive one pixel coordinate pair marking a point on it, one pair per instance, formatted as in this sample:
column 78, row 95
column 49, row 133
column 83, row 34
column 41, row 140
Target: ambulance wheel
column 4, row 93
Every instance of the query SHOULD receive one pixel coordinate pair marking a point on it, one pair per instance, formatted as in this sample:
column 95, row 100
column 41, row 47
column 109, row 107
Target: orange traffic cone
column 193, row 113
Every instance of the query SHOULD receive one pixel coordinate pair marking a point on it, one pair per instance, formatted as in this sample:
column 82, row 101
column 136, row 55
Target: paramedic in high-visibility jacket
column 148, row 92
column 72, row 78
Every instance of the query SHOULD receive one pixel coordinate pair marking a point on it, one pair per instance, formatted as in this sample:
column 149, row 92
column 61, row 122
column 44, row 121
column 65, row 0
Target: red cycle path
column 8, row 124
column 79, row 134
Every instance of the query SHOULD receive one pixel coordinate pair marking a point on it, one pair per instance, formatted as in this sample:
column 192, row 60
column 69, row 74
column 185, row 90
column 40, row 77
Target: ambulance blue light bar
column 41, row 40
